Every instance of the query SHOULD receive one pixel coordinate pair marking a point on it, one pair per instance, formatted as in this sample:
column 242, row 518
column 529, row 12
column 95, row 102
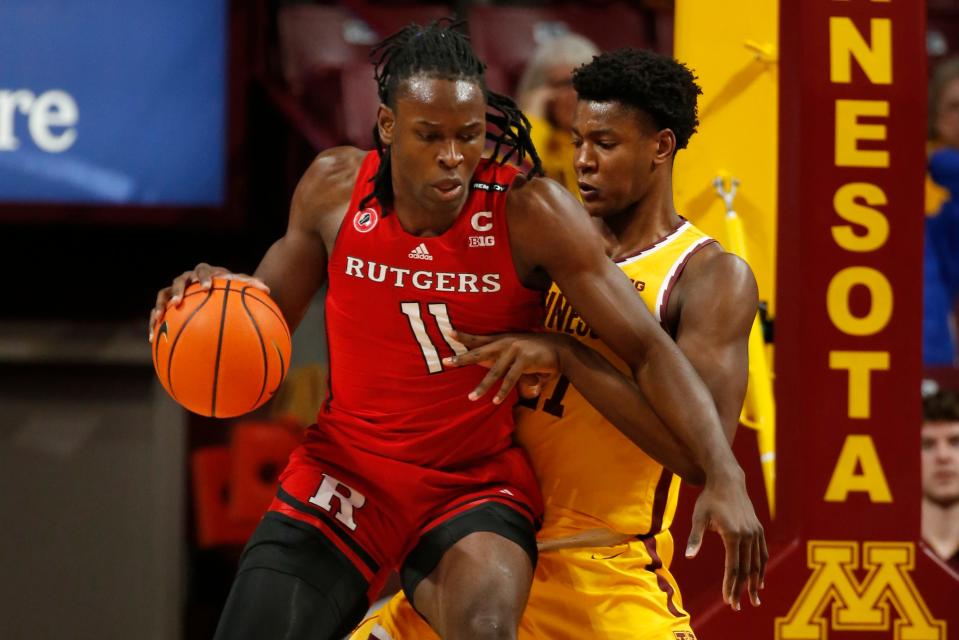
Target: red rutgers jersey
column 393, row 301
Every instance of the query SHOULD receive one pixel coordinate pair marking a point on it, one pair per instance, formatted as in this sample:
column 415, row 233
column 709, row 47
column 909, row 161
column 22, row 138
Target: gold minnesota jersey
column 591, row 475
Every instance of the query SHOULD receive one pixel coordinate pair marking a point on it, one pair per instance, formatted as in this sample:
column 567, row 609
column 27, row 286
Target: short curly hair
column 658, row 85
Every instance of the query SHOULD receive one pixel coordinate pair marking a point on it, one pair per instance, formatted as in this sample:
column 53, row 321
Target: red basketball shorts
column 375, row 510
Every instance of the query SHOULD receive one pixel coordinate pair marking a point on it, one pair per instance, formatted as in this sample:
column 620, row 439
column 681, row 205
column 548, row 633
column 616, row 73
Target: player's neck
column 650, row 220
column 418, row 220
column 940, row 527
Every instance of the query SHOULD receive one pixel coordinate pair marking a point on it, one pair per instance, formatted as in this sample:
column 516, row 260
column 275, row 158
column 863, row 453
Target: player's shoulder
column 547, row 224
column 539, row 196
column 550, row 231
column 715, row 270
column 713, row 260
column 542, row 208
column 335, row 166
column 327, row 185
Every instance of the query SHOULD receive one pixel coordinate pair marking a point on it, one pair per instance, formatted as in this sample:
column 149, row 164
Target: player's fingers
column 471, row 341
column 529, row 385
column 242, row 277
column 754, row 573
column 154, row 316
column 763, row 558
column 163, row 296
column 743, row 572
column 546, row 378
column 485, row 355
column 500, row 367
column 204, row 274
column 695, row 539
column 178, row 286
column 732, row 567
column 159, row 307
column 509, row 381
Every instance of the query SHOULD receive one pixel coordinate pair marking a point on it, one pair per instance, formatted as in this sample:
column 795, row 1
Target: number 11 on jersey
column 430, row 353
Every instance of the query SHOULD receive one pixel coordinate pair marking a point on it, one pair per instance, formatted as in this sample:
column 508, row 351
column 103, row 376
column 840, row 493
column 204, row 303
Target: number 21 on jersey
column 553, row 404
column 412, row 311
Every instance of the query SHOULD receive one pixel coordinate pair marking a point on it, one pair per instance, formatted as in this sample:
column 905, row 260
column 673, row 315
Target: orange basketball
column 224, row 351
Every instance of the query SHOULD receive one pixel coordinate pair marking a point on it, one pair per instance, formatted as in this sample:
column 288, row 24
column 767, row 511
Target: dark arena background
column 140, row 138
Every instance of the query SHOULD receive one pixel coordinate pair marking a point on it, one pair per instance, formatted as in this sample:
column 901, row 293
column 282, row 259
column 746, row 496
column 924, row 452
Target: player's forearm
column 294, row 271
column 683, row 403
column 620, row 401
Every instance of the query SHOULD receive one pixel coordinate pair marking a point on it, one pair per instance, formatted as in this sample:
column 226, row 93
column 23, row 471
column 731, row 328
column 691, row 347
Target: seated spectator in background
column 940, row 475
column 941, row 259
column 547, row 97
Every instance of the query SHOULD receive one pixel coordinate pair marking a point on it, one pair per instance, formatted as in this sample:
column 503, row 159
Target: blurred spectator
column 940, row 475
column 941, row 260
column 546, row 95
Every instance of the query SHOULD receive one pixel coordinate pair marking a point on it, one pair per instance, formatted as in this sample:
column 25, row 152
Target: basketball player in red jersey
column 403, row 469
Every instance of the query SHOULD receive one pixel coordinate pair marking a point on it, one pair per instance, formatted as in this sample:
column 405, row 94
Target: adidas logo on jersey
column 420, row 252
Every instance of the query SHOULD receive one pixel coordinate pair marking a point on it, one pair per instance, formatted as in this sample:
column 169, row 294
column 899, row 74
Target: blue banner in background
column 117, row 102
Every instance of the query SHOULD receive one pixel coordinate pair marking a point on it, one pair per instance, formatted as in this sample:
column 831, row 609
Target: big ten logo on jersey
column 482, row 241
column 339, row 499
column 51, row 119
column 562, row 318
column 855, row 605
column 482, row 221
column 684, row 635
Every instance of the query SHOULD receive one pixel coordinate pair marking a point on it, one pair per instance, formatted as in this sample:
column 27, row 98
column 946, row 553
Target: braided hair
column 441, row 50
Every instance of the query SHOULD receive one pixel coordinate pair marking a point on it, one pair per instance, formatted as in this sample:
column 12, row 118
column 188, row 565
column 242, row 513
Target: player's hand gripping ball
column 224, row 351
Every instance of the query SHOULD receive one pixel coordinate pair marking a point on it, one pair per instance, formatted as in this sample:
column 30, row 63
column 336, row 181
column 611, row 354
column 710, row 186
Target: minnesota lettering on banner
column 855, row 605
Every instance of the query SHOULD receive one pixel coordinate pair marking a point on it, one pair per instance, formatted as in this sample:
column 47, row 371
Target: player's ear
column 385, row 120
column 665, row 146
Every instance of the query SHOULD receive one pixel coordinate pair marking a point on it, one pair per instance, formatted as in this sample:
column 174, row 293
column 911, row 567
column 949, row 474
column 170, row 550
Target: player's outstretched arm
column 550, row 231
column 294, row 267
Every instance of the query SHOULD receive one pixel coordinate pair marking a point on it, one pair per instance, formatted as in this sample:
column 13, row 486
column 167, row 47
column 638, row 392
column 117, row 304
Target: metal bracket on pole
column 728, row 195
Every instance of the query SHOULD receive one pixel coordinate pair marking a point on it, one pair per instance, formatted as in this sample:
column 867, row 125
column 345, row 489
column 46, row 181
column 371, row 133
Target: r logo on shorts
column 347, row 500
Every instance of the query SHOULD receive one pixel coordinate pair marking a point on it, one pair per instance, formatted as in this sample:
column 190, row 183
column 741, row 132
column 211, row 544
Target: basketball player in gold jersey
column 605, row 545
